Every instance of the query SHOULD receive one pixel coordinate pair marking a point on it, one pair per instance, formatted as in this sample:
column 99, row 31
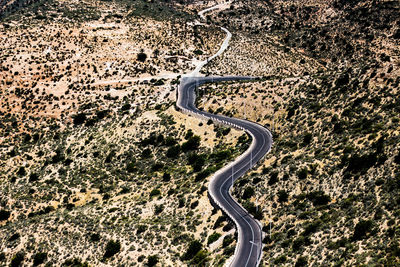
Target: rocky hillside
column 328, row 192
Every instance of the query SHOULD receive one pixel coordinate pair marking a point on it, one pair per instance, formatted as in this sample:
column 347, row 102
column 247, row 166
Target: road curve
column 249, row 249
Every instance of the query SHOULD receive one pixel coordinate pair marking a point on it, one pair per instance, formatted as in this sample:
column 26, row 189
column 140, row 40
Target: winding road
column 249, row 248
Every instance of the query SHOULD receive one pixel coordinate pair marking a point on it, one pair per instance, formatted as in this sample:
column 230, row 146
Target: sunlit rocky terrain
column 97, row 168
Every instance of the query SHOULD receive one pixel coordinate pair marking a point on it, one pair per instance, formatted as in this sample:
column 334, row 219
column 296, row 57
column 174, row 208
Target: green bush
column 131, row 167
column 17, row 260
column 194, row 247
column 213, row 237
column 141, row 57
column 174, row 151
column 302, row 174
column 75, row 263
column 228, row 239
column 155, row 192
column 362, row 229
column 282, row 196
column 273, row 178
column 39, row 258
column 301, row 261
column 112, row 248
column 192, row 143
column 318, row 198
column 200, row 258
column 166, row 177
column 196, row 161
column 141, row 229
column 4, row 215
column 79, row 118
column 146, row 153
column 280, row 260
column 95, row 237
column 248, row 192
column 152, row 260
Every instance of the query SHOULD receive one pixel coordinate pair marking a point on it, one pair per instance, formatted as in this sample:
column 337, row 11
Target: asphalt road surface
column 249, row 249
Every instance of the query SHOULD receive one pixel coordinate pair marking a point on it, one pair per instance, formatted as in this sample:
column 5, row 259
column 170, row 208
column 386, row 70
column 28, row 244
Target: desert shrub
column 131, row 167
column 198, row 52
column 158, row 209
column 200, row 258
column 227, row 227
column 300, row 242
column 166, row 177
column 196, row 161
column 152, row 260
column 228, row 239
column 397, row 158
column 174, row 151
column 14, row 237
column 361, row 163
column 280, row 260
column 109, row 157
column 39, row 258
column 212, row 238
column 141, row 57
column 282, row 196
column 302, row 174
column 301, row 261
column 192, row 143
column 95, row 237
column 146, row 153
column 307, row 138
column 273, row 178
column 194, row 247
column 155, row 192
column 33, row 177
column 221, row 155
column 248, row 192
column 17, row 260
column 194, row 204
column 189, row 134
column 141, row 229
column 75, row 263
column 4, row 215
column 101, row 114
column 362, row 228
column 170, row 141
column 229, row 250
column 202, row 175
column 253, row 210
column 219, row 222
column 157, row 167
column 21, row 171
column 318, row 198
column 311, row 227
column 79, row 118
column 126, row 107
column 112, row 248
